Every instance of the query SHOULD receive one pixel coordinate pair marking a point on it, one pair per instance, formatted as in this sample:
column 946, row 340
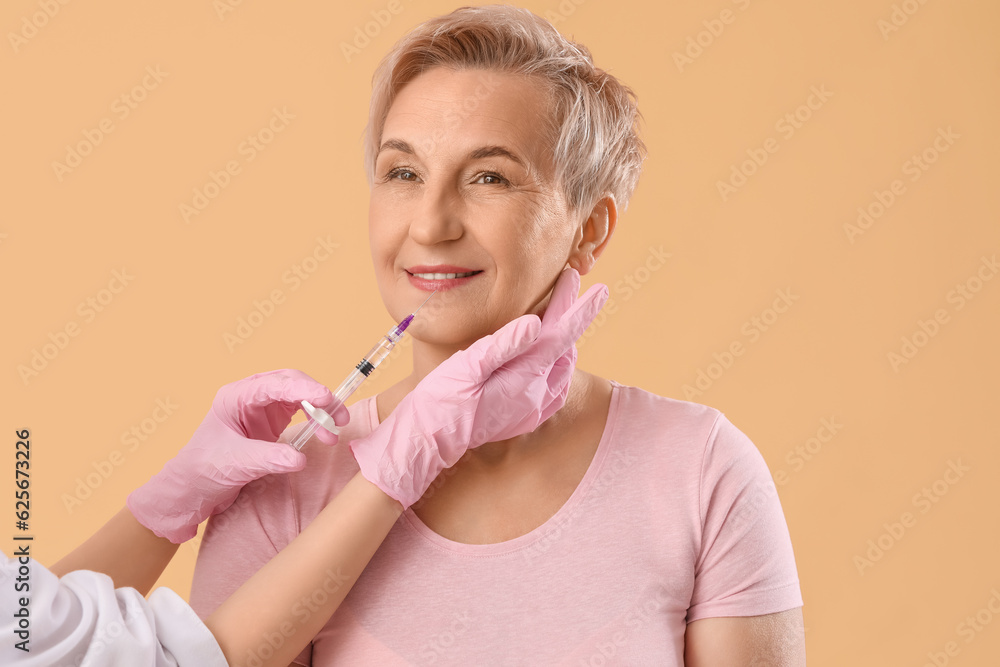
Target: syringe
column 368, row 364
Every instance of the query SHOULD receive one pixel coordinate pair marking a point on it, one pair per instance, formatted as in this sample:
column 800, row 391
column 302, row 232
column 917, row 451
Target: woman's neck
column 511, row 450
column 427, row 357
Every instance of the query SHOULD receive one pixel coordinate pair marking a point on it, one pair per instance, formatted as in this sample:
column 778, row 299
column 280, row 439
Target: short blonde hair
column 594, row 124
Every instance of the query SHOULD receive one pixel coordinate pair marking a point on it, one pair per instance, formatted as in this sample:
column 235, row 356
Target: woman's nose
column 436, row 218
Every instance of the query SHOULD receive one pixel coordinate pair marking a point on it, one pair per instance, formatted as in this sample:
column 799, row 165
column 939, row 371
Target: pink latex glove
column 235, row 444
column 503, row 385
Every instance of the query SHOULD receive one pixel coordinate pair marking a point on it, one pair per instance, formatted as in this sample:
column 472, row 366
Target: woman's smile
column 439, row 276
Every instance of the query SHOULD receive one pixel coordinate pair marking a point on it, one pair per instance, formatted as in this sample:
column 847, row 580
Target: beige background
column 886, row 97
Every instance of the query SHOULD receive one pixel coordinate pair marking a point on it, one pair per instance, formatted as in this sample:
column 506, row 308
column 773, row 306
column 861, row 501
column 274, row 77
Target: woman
column 626, row 528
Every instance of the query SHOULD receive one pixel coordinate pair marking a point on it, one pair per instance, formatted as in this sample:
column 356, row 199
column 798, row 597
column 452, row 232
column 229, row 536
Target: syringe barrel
column 377, row 354
column 302, row 437
column 364, row 368
column 348, row 386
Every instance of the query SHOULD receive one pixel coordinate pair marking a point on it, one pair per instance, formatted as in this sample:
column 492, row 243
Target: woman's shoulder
column 670, row 435
column 649, row 408
column 672, row 429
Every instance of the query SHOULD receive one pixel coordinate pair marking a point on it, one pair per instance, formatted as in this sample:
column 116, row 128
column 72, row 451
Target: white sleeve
column 82, row 619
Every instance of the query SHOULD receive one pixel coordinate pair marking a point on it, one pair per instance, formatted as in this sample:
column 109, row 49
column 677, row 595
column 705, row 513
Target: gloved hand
column 503, row 385
column 235, row 444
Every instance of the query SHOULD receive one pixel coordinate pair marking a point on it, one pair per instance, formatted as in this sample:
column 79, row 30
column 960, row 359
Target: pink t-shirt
column 676, row 519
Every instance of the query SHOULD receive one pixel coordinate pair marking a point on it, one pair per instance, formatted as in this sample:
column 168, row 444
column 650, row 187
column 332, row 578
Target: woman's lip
column 430, row 285
column 439, row 268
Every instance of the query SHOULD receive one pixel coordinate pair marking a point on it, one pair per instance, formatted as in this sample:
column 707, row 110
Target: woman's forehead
column 471, row 111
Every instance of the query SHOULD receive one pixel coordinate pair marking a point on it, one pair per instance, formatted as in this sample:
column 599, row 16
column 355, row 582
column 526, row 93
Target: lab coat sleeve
column 82, row 619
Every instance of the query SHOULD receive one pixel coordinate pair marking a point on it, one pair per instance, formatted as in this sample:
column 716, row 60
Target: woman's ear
column 593, row 235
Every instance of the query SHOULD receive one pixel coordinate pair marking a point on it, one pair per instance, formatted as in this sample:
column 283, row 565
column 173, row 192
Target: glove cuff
column 398, row 459
column 173, row 528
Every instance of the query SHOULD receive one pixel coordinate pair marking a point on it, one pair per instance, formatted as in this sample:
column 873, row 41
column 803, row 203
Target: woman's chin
column 443, row 339
column 439, row 334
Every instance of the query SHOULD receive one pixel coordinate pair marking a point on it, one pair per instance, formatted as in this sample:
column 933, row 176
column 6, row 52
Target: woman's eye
column 402, row 173
column 494, row 179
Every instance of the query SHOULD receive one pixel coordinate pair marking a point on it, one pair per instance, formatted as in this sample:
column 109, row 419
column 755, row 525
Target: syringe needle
column 425, row 301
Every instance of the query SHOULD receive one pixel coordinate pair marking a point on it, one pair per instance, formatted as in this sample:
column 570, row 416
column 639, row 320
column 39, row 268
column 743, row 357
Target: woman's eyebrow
column 479, row 153
column 398, row 145
column 496, row 151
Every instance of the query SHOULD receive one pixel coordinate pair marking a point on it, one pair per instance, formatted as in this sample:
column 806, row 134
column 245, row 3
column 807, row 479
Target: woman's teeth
column 443, row 276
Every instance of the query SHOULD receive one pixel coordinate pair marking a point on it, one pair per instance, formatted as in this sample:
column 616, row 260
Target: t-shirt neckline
column 410, row 518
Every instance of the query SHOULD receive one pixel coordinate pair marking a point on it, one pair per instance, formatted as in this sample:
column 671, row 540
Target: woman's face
column 464, row 183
